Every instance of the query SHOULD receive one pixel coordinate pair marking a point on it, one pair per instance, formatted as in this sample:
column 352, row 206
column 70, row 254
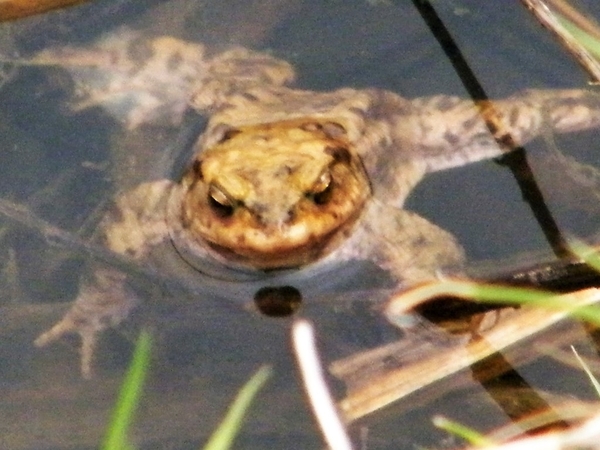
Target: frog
column 283, row 179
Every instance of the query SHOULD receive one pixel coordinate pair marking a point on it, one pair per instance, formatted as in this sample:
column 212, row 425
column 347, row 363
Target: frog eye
column 320, row 191
column 219, row 201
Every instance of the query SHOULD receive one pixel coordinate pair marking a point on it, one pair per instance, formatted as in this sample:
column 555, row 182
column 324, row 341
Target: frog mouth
column 290, row 246
column 280, row 257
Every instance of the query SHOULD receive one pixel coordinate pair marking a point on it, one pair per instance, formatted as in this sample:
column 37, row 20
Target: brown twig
column 514, row 327
column 15, row 9
column 581, row 21
column 549, row 20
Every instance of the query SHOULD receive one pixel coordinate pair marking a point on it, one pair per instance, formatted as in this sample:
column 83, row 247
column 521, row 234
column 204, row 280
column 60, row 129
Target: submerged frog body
column 282, row 178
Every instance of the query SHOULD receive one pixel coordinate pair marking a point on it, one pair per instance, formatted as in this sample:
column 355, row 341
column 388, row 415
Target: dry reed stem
column 442, row 363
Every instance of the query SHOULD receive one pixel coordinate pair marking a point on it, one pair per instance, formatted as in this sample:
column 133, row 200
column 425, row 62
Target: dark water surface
column 64, row 167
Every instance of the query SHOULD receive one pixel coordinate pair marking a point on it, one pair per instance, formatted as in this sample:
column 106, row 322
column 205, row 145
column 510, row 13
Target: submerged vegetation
column 129, row 396
column 117, row 433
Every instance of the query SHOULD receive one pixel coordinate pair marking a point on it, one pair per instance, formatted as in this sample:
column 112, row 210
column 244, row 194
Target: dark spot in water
column 278, row 301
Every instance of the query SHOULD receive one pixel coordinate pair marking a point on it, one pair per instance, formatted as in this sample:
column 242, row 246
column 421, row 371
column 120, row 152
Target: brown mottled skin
column 286, row 178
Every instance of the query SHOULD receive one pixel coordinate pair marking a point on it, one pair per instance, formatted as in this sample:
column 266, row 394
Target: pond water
column 64, row 167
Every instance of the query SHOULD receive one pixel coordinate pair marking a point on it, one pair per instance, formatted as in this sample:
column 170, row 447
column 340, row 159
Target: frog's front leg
column 448, row 131
column 136, row 224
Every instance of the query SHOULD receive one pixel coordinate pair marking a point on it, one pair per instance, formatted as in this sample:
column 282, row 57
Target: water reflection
column 63, row 168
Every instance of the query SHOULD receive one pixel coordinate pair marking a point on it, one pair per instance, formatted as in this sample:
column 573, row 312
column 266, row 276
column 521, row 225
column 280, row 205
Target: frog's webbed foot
column 422, row 252
column 134, row 227
column 135, row 78
column 103, row 302
column 410, row 247
column 140, row 79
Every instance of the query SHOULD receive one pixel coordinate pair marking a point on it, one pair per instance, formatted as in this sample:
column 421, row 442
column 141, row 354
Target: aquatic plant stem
column 129, row 397
column 223, row 436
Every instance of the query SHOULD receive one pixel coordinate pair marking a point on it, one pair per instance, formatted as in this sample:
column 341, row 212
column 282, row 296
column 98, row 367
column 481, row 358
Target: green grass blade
column 488, row 293
column 591, row 44
column 223, row 436
column 585, row 252
column 468, row 434
column 129, row 396
column 516, row 296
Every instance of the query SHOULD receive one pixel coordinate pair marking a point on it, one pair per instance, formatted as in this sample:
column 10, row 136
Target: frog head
column 274, row 195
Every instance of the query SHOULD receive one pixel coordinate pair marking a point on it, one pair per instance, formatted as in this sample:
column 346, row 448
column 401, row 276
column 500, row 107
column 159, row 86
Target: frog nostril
column 270, row 216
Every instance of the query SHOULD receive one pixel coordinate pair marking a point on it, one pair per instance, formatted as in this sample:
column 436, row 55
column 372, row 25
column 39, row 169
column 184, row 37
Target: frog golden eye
column 219, row 201
column 321, row 190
